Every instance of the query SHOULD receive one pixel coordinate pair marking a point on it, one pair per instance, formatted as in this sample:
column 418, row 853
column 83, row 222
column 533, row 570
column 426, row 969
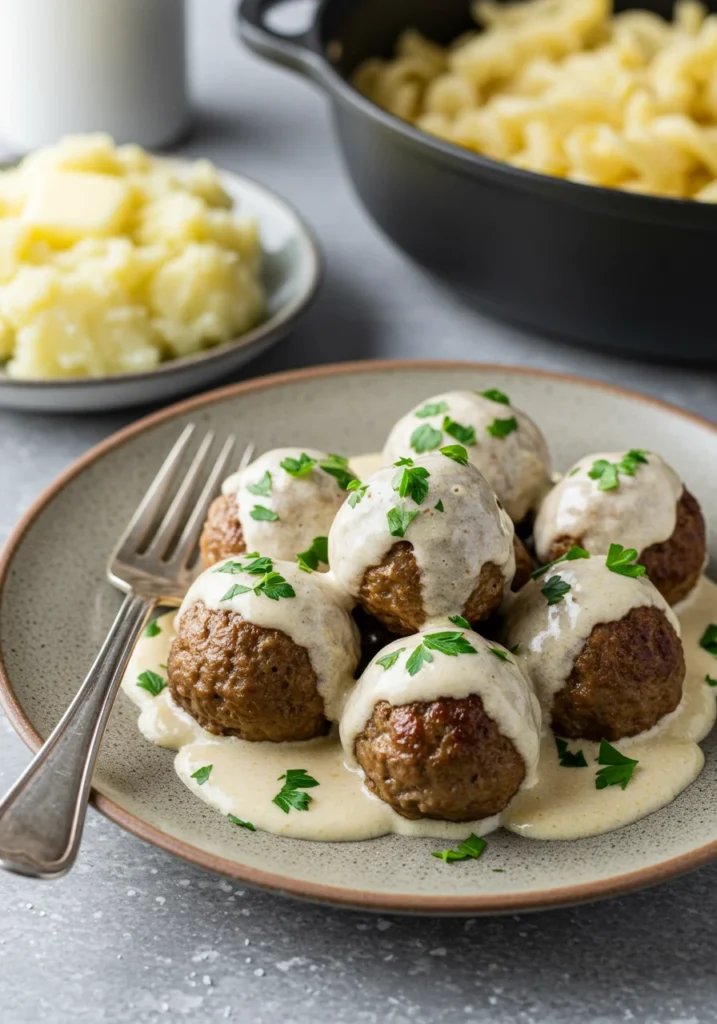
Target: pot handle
column 291, row 51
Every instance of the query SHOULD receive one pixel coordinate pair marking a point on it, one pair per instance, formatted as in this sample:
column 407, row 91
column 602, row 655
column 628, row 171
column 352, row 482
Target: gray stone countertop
column 133, row 935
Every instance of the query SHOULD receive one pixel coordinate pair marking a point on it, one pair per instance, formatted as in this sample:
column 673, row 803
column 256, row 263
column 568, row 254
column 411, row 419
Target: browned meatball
column 391, row 592
column 439, row 759
column 523, row 564
column 627, row 676
column 239, row 679
column 674, row 565
column 222, row 535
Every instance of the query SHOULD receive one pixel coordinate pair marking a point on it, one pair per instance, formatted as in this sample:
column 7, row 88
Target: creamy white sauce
column 306, row 505
column 564, row 803
column 506, row 696
column 552, row 635
column 641, row 511
column 451, row 547
column 317, row 618
column 517, row 466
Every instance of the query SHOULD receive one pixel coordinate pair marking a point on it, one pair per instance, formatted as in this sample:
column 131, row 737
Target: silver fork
column 42, row 816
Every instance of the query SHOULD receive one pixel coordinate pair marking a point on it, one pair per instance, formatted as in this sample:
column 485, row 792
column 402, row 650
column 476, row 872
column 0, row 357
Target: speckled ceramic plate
column 291, row 275
column 55, row 608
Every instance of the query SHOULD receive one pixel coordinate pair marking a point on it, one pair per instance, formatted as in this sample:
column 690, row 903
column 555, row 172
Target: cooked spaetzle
column 564, row 87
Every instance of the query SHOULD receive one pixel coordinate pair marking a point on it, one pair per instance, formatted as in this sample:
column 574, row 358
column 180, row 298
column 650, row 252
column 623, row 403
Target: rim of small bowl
column 469, row 904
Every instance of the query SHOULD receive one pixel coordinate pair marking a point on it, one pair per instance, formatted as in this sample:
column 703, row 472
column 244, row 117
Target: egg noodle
column 566, row 88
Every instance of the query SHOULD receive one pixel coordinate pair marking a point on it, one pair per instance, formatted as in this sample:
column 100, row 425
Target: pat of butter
column 65, row 206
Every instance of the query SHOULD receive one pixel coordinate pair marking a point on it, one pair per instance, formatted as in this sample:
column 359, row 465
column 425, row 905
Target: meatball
column 501, row 441
column 239, row 679
column 264, row 651
column 439, row 759
column 627, row 676
column 280, row 505
column 222, row 535
column 649, row 511
column 602, row 649
column 424, row 538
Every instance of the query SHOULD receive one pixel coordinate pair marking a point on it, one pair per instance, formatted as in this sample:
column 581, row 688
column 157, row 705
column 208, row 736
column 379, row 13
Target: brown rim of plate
column 356, row 898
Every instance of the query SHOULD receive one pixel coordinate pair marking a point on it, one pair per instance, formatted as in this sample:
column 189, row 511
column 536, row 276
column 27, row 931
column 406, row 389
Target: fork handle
column 42, row 816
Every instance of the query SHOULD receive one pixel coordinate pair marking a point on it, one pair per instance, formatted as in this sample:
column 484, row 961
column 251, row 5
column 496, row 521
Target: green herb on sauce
column 470, row 848
column 291, row 793
column 574, row 553
column 618, row 768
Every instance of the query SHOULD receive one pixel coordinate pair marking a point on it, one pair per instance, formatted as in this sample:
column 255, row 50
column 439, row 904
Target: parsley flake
column 495, row 396
column 555, row 589
column 501, row 428
column 569, row 758
column 202, row 774
column 622, row 561
column 574, row 471
column 515, row 649
column 257, row 566
column 619, row 768
column 458, row 620
column 439, row 506
column 318, row 552
column 388, row 660
column 261, row 487
column 399, row 519
column 337, row 466
column 410, row 481
column 708, row 640
column 152, row 629
column 608, row 473
column 431, row 409
column 235, row 591
column 242, row 824
column 291, row 793
column 425, row 438
column 271, row 585
column 464, row 435
column 456, row 452
column 151, row 682
column 263, row 514
column 417, row 659
column 574, row 553
column 448, row 642
column 499, row 653
column 710, row 681
column 298, row 467
column 358, row 490
column 472, row 847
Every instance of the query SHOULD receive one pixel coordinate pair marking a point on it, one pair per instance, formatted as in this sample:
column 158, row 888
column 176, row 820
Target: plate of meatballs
column 450, row 647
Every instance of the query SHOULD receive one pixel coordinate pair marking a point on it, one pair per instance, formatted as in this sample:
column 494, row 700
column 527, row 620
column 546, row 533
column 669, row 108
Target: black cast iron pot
column 607, row 268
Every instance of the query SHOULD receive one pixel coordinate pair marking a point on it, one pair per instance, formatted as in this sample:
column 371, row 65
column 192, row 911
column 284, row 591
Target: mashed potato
column 112, row 260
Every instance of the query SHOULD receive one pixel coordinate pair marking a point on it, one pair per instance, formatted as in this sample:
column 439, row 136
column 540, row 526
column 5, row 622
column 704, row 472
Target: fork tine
column 175, row 515
column 247, row 456
column 140, row 523
column 190, row 534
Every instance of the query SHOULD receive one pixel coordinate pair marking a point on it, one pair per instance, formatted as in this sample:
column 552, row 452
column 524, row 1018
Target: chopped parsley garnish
column 499, row 871
column 357, row 490
column 431, row 409
column 337, row 466
column 399, row 519
column 618, row 770
column 499, row 653
column 202, row 774
column 456, row 452
column 708, row 640
column 410, row 481
column 458, row 620
column 242, row 824
column 449, row 643
column 710, row 681
column 291, row 793
column 608, row 473
column 555, row 590
column 263, row 514
column 152, row 629
column 472, row 847
column 151, row 682
column 574, row 470
column 515, row 649
column 256, row 567
column 389, row 659
column 439, row 506
column 298, row 467
column 622, row 561
column 574, row 553
column 569, row 758
column 495, row 396
column 262, row 487
column 464, row 435
column 271, row 585
column 318, row 552
column 501, row 428
column 425, row 438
